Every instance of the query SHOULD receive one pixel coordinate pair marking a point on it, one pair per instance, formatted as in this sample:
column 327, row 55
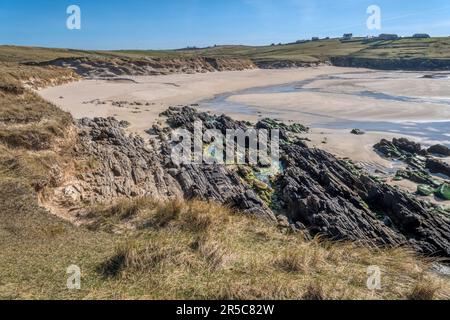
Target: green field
column 312, row 51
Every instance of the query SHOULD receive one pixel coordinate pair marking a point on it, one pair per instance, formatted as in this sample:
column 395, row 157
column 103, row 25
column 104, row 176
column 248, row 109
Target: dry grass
column 424, row 290
column 33, row 76
column 203, row 250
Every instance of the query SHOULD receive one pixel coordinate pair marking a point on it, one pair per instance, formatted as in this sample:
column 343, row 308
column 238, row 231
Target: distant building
column 421, row 35
column 385, row 36
column 315, row 39
column 347, row 36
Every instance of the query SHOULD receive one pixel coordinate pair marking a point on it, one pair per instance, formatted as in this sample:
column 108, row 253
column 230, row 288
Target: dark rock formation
column 398, row 148
column 219, row 183
column 328, row 198
column 271, row 124
column 419, row 64
column 317, row 192
column 287, row 64
column 440, row 150
column 357, row 132
column 186, row 116
column 124, row 166
column 438, row 166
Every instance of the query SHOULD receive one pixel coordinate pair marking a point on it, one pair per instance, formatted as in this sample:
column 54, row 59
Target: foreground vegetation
column 180, row 250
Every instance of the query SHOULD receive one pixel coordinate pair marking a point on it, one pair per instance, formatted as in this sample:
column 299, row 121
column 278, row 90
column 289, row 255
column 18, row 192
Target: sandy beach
column 163, row 91
column 320, row 97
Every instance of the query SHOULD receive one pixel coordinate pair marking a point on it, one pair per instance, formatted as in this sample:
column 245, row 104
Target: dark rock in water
column 438, row 166
column 186, row 116
column 357, row 132
column 398, row 148
column 407, row 145
column 330, row 199
column 270, row 124
column 440, row 150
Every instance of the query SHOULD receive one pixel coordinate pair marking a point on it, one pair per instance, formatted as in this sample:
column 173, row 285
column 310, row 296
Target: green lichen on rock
column 443, row 192
column 350, row 165
column 264, row 191
column 425, row 190
column 272, row 124
column 418, row 176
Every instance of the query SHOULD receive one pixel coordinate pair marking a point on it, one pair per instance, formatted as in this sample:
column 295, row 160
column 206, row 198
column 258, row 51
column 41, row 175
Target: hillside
column 312, row 51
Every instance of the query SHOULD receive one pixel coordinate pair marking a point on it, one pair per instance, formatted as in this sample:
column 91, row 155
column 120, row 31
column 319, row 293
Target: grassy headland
column 311, row 51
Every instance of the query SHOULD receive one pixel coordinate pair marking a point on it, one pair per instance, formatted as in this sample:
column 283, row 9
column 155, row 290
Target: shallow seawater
column 426, row 131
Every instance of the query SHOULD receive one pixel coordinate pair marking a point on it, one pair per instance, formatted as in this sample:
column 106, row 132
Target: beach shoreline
column 141, row 101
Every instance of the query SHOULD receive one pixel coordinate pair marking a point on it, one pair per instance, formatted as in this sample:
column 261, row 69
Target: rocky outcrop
column 318, row 191
column 399, row 148
column 124, row 165
column 420, row 163
column 329, row 198
column 287, row 64
column 439, row 150
column 419, row 64
column 221, row 184
column 90, row 67
column 315, row 192
column 438, row 166
column 185, row 118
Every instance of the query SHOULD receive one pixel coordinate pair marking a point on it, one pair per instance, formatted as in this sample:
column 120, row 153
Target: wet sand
column 332, row 100
column 164, row 91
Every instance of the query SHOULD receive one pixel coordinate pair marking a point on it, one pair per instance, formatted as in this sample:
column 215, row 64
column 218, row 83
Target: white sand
column 164, row 91
column 327, row 105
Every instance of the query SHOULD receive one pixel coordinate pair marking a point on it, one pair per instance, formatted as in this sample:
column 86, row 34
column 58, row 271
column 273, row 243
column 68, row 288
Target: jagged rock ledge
column 316, row 193
column 415, row 64
column 288, row 64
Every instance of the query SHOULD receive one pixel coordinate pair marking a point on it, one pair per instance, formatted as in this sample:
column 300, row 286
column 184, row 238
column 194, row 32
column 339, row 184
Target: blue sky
column 157, row 24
